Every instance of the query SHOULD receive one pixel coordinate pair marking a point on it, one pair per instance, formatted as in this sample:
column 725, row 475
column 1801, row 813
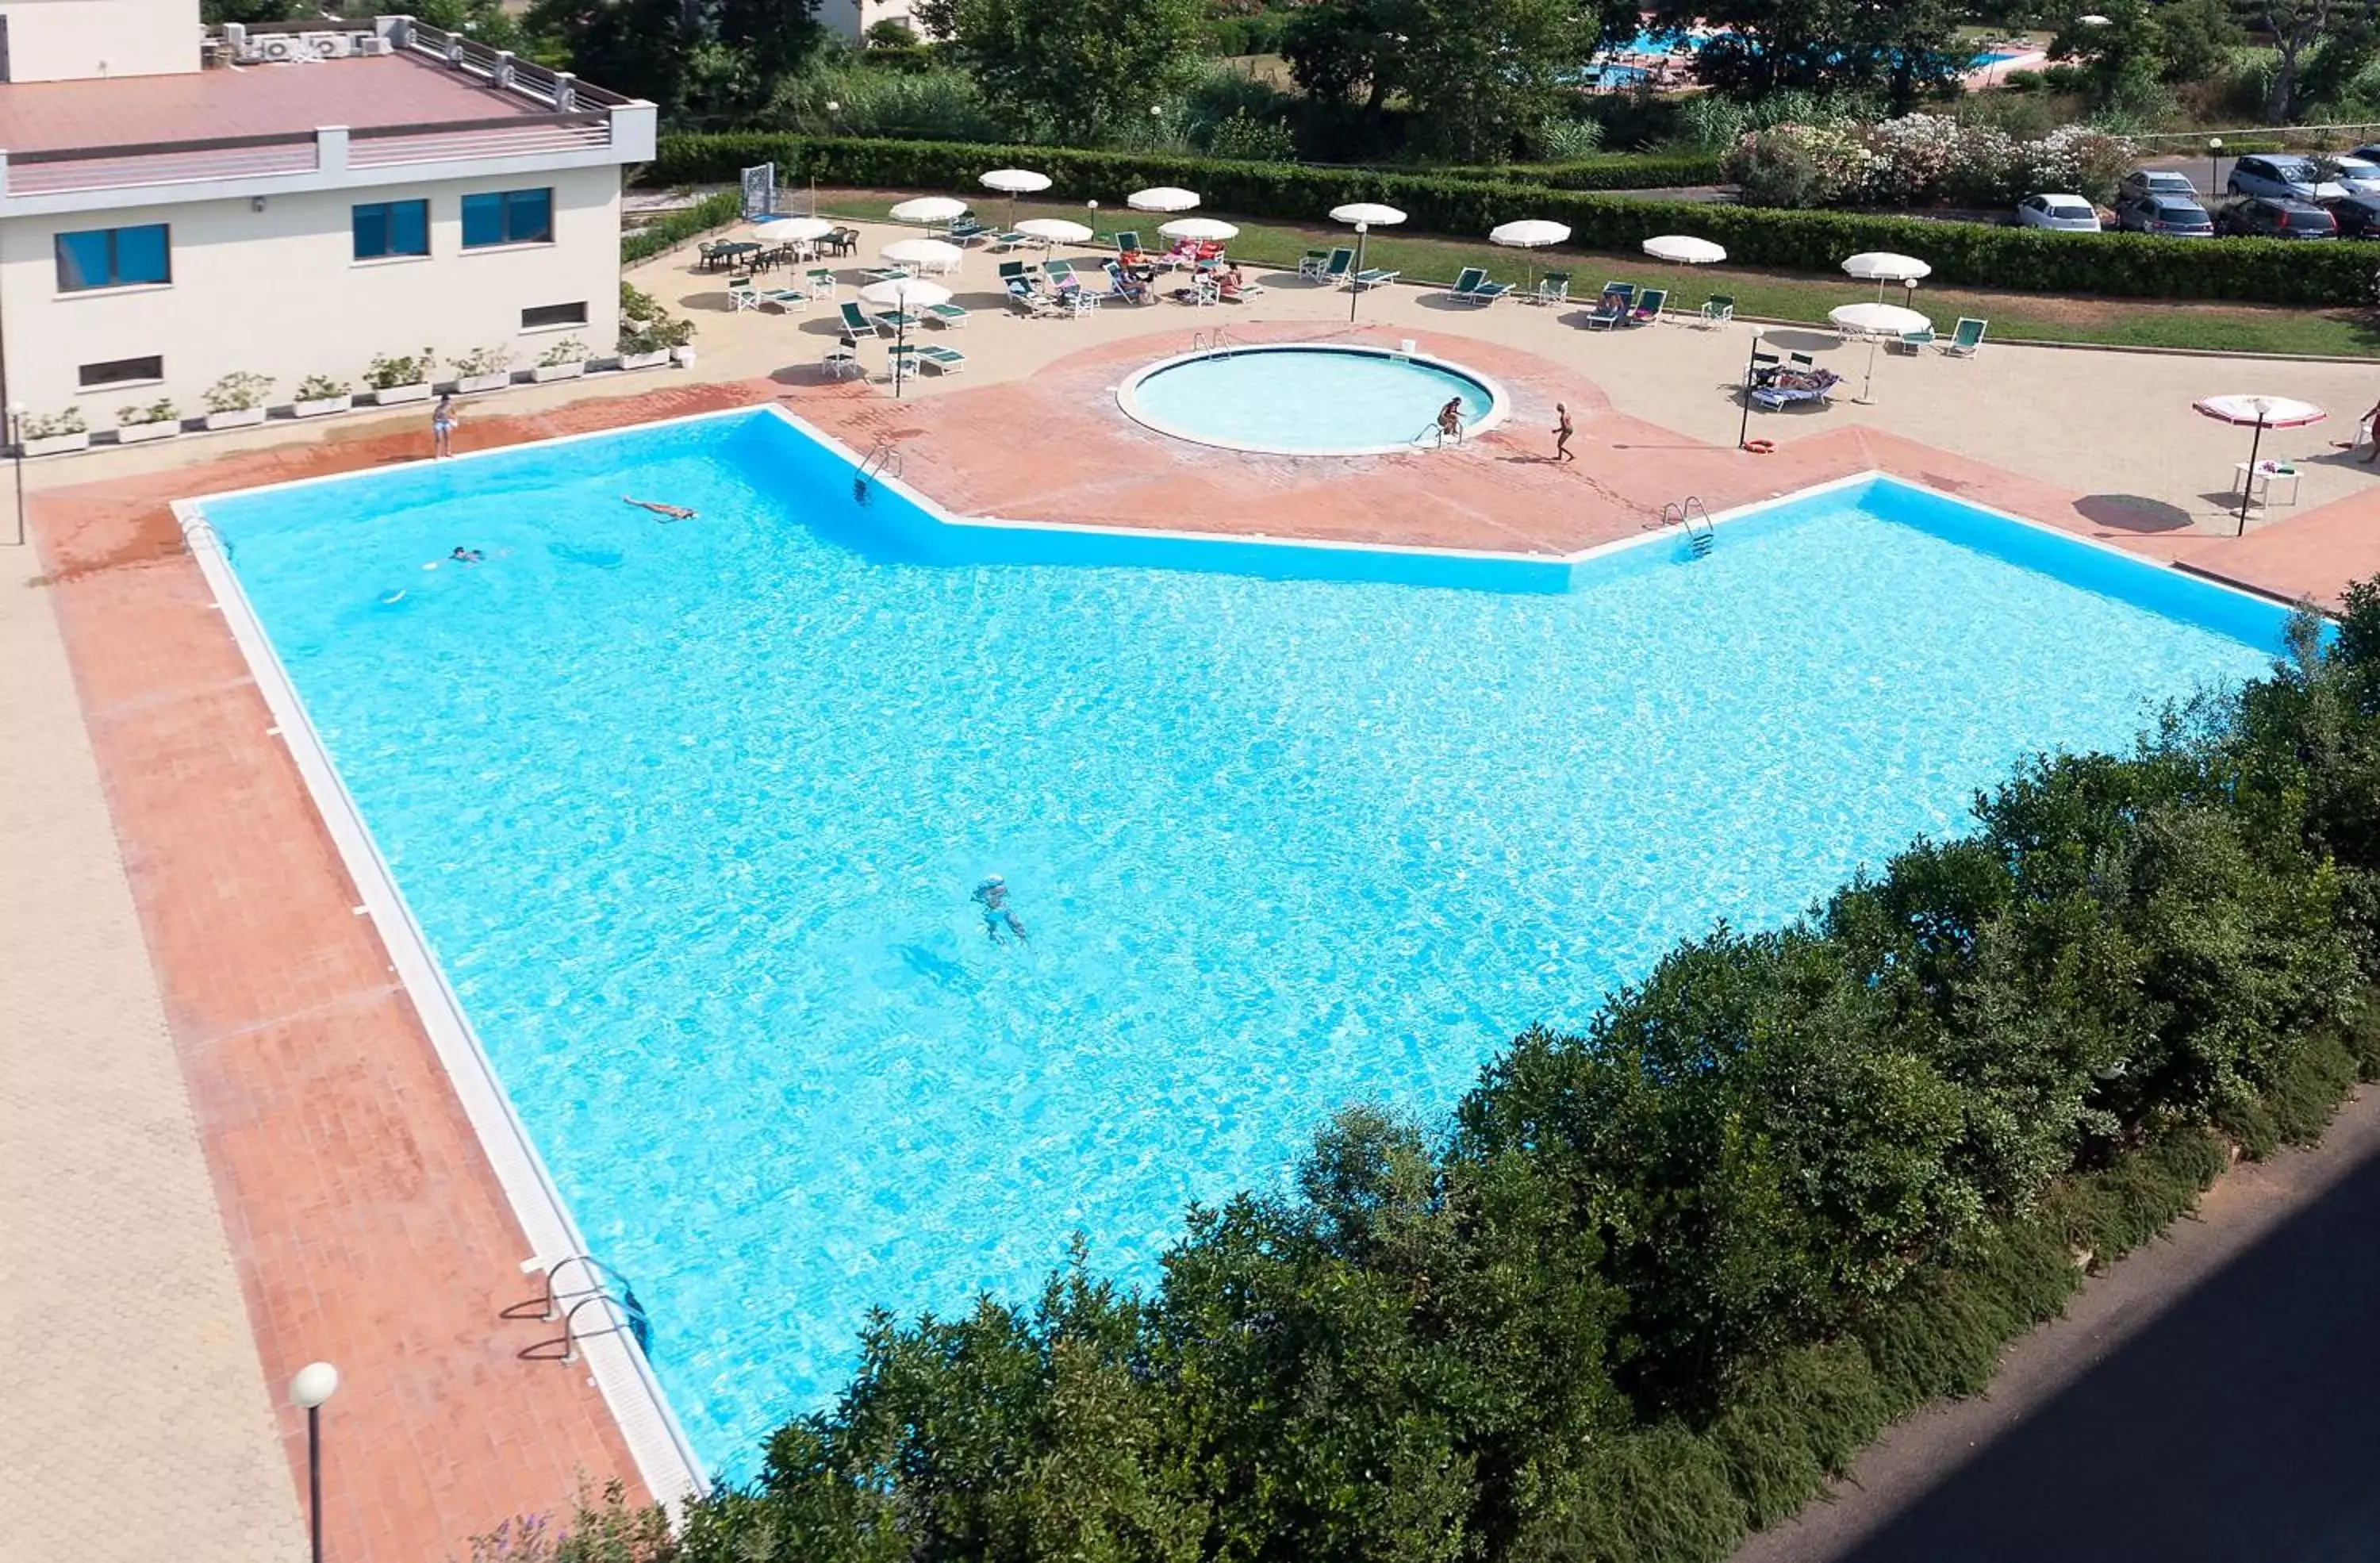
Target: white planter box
column 495, row 380
column 325, row 404
column 238, row 417
column 136, row 433
column 544, row 373
column 418, row 392
column 654, row 359
column 58, row 444
column 684, row 357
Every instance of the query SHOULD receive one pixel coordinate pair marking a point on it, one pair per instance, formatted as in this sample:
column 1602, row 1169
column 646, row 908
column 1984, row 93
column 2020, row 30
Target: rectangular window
column 507, row 217
column 554, row 315
column 113, row 258
column 120, row 372
column 392, row 228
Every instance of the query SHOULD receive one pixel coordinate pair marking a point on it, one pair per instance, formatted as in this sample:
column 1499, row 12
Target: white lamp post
column 313, row 1385
column 1355, row 283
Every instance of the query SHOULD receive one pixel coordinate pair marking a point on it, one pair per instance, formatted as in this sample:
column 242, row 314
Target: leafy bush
column 1920, row 159
column 480, row 360
column 569, row 350
column 716, row 210
column 319, row 388
column 162, row 410
column 237, row 391
column 646, row 327
column 50, row 426
column 1249, row 139
column 389, row 371
column 2123, row 265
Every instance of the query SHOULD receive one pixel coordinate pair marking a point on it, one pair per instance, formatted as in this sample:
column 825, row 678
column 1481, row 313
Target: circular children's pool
column 1301, row 399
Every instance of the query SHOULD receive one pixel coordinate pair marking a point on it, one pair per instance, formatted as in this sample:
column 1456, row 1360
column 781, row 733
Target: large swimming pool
column 691, row 814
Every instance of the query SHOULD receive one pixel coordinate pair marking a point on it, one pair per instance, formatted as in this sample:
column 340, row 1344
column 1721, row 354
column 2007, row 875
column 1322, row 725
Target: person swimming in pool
column 667, row 512
column 465, row 556
column 998, row 916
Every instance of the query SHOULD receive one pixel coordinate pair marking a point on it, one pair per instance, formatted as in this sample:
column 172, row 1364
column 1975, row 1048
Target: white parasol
column 930, row 254
column 1199, row 228
column 1014, row 182
column 1367, row 212
column 2259, row 413
column 1879, row 323
column 1057, row 230
column 930, row 209
column 1685, row 250
column 1528, row 233
column 904, row 294
column 793, row 230
column 1882, row 266
column 1164, row 198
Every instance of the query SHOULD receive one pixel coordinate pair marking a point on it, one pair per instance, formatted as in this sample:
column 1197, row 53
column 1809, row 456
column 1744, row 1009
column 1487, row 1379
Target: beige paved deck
column 139, row 1424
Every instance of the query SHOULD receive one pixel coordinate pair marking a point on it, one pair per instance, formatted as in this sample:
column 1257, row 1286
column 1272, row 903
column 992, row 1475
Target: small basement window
column 545, row 315
column 120, row 372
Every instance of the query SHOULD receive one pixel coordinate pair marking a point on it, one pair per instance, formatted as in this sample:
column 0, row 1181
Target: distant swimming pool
column 690, row 814
column 1652, row 43
column 1302, row 399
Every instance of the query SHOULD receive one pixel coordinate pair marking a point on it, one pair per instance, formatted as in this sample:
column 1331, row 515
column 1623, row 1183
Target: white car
column 2359, row 175
column 2066, row 213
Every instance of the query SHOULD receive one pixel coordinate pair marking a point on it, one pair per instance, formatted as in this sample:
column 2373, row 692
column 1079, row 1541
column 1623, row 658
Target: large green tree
column 709, row 63
column 1068, row 73
column 1898, row 47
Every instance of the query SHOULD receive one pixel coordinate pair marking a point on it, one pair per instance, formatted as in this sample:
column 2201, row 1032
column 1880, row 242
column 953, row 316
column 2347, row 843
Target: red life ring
column 1760, row 447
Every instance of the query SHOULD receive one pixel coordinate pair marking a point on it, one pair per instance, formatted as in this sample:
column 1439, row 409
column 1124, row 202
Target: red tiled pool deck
column 365, row 1222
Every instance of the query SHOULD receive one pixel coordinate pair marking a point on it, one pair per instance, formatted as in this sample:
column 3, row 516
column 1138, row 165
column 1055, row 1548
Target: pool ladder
column 600, row 1287
column 1211, row 341
column 1685, row 513
column 883, row 460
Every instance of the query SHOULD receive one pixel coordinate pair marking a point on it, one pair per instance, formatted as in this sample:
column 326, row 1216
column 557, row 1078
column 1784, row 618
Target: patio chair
column 941, row 359
column 950, row 317
column 709, row 254
column 842, row 241
column 1911, row 342
column 1312, row 263
column 1612, row 308
column 742, row 294
column 1026, row 301
column 1553, row 288
column 841, row 361
column 1719, row 309
column 857, row 323
column 1966, row 338
column 1018, row 271
column 1057, row 271
column 1376, row 276
column 1239, row 291
column 1079, row 300
column 1473, row 287
column 1130, row 289
column 965, row 230
column 1334, row 271
column 1648, row 306
column 1802, row 361
column 1127, row 243
column 820, row 281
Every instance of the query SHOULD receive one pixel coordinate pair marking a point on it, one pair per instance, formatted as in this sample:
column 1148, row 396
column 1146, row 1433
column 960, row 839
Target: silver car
column 2158, row 182
column 2066, row 213
column 2282, row 176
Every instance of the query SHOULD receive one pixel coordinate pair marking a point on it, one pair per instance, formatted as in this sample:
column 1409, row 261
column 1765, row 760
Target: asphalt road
column 2213, row 1398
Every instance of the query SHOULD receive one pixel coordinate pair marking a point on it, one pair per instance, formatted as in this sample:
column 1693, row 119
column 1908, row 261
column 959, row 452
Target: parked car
column 2263, row 217
column 2357, row 175
column 2172, row 215
column 2368, row 153
column 2283, row 178
column 2358, row 216
column 2156, row 182
column 2067, row 213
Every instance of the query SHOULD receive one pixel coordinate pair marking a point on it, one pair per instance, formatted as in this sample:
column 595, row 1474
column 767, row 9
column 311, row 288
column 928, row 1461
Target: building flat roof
column 363, row 92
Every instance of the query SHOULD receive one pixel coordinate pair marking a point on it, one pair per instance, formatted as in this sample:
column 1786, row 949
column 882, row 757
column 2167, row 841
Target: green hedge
column 1604, row 171
column 2119, row 265
column 712, row 212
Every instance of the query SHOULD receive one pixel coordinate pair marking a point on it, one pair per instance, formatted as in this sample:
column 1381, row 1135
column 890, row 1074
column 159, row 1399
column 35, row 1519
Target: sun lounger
column 941, row 359
column 1057, row 271
column 1026, row 301
column 1649, row 307
column 1473, row 287
column 1130, row 289
column 880, row 273
column 856, row 322
column 948, row 316
column 1238, row 293
column 1911, row 342
column 966, row 230
column 1966, row 338
column 1127, row 243
column 892, row 321
column 1334, row 271
column 786, row 298
column 1553, row 288
column 1001, row 243
column 1612, row 308
column 1375, row 277
column 1791, row 387
column 1719, row 309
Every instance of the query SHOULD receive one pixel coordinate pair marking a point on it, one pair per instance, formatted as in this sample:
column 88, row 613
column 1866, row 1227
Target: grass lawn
column 1783, row 296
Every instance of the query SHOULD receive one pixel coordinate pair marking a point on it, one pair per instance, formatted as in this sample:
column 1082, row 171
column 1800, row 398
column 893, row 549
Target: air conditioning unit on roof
column 281, row 48
column 372, row 43
column 327, row 45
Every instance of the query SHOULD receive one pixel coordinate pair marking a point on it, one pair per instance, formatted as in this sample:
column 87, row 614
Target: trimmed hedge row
column 710, row 211
column 2026, row 259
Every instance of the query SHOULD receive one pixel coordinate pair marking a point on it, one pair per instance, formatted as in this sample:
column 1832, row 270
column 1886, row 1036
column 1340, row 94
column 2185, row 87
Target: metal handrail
column 629, row 1320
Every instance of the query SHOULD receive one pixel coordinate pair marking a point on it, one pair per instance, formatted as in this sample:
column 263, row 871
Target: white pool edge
column 1128, row 395
column 664, row 1458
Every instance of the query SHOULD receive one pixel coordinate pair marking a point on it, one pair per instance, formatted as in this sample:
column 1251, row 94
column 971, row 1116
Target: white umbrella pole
column 1355, row 283
column 2248, row 484
column 1867, row 387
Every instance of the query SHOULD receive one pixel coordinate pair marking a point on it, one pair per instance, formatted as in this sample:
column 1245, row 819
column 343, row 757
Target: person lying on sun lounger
column 667, row 512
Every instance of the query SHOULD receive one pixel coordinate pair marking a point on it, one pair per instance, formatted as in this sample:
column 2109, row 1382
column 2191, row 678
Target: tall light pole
column 1745, row 428
column 313, row 1385
column 2214, row 165
column 1355, row 282
column 16, row 450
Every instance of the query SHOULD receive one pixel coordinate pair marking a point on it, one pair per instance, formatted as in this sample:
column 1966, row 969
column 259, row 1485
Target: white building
column 174, row 208
column 854, row 18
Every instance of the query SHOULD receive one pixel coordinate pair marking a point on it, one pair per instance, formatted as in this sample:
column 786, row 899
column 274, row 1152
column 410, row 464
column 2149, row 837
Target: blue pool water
column 1306, row 399
column 1649, row 41
column 690, row 814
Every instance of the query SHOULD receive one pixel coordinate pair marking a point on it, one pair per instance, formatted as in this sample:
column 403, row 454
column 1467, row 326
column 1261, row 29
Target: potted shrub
column 399, row 378
column 161, row 419
column 647, row 334
column 482, row 369
column 54, row 434
column 236, row 400
column 566, row 359
column 319, row 393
